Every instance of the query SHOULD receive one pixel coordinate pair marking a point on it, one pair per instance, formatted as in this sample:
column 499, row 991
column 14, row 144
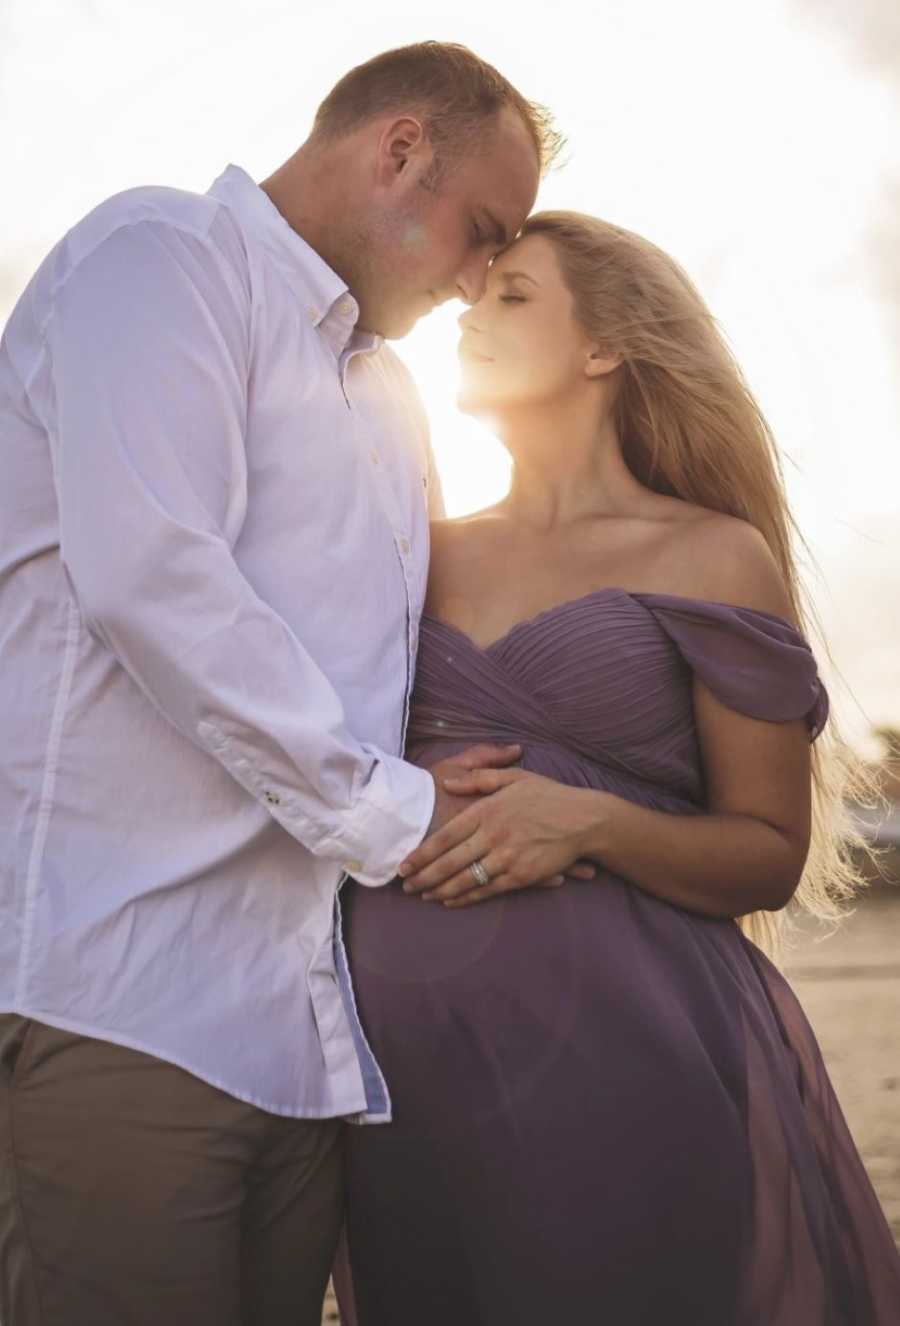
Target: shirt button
column 272, row 798
column 404, row 546
column 312, row 313
column 351, row 866
column 373, row 456
column 345, row 306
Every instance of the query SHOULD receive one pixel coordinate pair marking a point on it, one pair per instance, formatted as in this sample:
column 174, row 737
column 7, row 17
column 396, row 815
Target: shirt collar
column 325, row 298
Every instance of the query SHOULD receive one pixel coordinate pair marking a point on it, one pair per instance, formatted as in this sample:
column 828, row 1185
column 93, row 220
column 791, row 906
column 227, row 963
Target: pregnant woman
column 608, row 1106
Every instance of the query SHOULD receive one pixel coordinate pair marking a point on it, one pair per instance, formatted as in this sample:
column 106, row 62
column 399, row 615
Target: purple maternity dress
column 607, row 1110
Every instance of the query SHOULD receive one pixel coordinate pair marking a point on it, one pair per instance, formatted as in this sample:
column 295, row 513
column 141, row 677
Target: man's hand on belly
column 446, row 804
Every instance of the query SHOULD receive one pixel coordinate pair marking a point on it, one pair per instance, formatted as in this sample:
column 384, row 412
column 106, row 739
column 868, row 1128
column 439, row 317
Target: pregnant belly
column 485, row 1004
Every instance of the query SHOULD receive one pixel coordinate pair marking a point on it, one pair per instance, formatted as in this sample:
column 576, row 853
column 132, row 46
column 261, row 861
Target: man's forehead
column 497, row 219
column 504, row 201
column 514, row 174
column 509, row 152
column 505, row 218
column 500, row 182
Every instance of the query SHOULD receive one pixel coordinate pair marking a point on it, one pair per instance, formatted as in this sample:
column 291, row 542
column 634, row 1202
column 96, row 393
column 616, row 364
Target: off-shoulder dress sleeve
column 752, row 661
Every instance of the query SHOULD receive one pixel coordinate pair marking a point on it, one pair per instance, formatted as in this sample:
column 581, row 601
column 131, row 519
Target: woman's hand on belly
column 525, row 830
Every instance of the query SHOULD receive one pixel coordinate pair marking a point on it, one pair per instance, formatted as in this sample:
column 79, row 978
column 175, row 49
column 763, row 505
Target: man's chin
column 399, row 322
column 397, row 330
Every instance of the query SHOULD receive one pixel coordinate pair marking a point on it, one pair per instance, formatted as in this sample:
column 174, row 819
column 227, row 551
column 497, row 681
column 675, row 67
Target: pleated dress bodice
column 599, row 689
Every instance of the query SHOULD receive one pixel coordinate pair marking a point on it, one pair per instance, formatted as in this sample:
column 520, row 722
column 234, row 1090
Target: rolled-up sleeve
column 148, row 345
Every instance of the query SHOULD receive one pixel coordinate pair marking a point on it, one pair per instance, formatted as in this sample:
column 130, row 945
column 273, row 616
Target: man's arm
column 149, row 351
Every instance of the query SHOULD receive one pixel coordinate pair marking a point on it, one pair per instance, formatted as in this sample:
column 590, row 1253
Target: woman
column 608, row 1105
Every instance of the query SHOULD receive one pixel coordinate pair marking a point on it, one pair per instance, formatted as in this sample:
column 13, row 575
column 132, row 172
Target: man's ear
column 599, row 362
column 403, row 145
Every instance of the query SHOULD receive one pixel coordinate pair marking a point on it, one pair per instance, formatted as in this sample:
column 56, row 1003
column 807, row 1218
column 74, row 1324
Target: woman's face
column 521, row 344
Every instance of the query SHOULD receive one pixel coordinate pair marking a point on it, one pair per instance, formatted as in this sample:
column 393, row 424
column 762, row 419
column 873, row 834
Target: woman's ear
column 600, row 363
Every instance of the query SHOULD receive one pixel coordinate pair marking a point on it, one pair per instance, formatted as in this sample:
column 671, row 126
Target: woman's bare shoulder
column 727, row 560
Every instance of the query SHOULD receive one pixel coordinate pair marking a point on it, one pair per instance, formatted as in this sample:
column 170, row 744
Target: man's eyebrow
column 523, row 276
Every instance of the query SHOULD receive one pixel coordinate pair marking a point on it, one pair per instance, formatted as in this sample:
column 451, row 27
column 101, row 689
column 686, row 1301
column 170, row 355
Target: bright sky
column 746, row 140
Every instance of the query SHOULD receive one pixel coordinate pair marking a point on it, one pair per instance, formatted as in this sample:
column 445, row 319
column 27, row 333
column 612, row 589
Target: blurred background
column 758, row 143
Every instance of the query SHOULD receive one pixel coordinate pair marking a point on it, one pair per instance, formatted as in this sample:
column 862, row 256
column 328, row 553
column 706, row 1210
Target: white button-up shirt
column 213, row 554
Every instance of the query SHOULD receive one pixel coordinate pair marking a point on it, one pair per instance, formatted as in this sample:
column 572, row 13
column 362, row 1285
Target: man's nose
column 472, row 278
column 466, row 321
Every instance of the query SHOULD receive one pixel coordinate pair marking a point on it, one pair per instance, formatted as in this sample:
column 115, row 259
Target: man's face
column 427, row 245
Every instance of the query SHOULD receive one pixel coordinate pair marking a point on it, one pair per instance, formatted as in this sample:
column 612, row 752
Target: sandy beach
column 849, row 985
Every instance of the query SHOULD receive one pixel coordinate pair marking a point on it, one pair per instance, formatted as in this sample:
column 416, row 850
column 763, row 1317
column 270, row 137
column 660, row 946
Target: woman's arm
column 748, row 852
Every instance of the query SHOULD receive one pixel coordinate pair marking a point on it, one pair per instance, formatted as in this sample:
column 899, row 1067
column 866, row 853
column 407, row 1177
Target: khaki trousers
column 133, row 1194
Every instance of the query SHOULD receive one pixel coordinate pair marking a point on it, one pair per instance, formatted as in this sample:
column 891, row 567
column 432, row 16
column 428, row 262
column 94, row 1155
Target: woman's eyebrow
column 522, row 276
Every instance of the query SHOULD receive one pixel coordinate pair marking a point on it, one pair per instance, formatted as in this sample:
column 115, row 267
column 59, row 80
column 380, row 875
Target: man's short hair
column 453, row 91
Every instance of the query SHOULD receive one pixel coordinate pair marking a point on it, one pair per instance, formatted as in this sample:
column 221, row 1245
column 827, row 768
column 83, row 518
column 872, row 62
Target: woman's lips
column 469, row 355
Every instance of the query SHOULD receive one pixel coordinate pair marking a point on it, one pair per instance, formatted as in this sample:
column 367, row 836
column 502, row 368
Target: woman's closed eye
column 512, row 299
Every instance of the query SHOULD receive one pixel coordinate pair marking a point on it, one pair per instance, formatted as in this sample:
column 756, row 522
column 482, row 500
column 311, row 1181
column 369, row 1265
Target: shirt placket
column 378, row 1106
column 400, row 532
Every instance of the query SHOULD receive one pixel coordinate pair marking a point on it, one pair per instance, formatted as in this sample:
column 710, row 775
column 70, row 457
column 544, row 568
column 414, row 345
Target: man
column 213, row 555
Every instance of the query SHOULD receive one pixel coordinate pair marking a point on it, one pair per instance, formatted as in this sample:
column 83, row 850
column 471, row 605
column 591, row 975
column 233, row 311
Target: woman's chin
column 471, row 400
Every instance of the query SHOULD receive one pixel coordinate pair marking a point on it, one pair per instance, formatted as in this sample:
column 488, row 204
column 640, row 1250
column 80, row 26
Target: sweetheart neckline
column 582, row 599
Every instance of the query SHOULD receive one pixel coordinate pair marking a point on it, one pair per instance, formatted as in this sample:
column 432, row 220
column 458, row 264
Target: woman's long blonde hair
column 689, row 427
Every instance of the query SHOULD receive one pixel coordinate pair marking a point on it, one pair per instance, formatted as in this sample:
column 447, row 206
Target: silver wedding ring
column 479, row 874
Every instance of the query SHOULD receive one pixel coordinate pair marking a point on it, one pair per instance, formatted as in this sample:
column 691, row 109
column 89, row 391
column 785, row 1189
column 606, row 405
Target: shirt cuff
column 389, row 820
column 390, row 817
